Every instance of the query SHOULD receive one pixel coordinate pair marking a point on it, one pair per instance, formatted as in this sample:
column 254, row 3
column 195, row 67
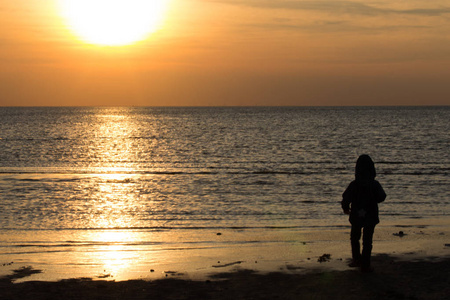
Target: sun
column 113, row 22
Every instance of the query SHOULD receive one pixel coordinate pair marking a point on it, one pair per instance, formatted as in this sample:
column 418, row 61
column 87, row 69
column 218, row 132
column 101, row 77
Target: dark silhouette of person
column 360, row 200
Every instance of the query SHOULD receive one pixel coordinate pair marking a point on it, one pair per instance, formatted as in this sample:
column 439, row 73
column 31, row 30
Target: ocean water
column 68, row 173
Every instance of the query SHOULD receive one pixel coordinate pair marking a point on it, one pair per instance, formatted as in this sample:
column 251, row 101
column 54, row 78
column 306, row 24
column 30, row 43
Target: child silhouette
column 360, row 200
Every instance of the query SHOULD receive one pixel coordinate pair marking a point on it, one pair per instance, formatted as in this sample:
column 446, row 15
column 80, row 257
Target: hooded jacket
column 363, row 194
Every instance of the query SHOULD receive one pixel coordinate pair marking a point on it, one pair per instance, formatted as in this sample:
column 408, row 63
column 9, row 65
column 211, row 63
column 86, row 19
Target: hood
column 365, row 168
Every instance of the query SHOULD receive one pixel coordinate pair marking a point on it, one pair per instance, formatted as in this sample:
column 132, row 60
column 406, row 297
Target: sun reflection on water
column 112, row 252
column 114, row 150
column 114, row 199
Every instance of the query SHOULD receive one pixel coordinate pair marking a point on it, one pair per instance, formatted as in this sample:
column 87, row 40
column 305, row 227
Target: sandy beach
column 195, row 255
column 410, row 262
column 393, row 279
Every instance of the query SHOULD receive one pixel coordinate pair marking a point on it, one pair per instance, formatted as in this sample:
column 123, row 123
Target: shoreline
column 426, row 278
column 412, row 265
column 195, row 257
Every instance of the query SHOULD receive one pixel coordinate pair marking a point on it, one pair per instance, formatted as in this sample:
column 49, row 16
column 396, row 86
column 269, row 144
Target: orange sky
column 235, row 52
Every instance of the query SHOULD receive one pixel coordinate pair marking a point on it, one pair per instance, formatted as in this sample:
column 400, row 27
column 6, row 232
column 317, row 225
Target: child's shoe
column 354, row 264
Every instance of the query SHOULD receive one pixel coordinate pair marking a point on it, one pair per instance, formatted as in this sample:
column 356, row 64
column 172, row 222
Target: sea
column 91, row 180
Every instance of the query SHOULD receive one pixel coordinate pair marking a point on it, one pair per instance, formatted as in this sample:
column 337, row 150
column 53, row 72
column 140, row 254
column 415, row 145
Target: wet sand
column 411, row 262
column 426, row 278
column 195, row 255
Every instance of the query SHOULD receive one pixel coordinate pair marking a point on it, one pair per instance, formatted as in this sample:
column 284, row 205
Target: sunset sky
column 232, row 52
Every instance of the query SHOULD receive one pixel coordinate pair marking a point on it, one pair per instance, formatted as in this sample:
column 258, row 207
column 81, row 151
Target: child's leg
column 367, row 245
column 355, row 236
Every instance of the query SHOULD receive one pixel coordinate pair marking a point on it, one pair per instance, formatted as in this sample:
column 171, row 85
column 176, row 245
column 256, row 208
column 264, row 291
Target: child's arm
column 347, row 198
column 379, row 192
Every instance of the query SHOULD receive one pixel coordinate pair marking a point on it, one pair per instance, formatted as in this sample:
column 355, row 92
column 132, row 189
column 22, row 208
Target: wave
column 184, row 228
column 97, row 173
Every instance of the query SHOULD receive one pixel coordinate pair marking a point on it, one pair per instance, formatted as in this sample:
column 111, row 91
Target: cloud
column 336, row 7
column 331, row 27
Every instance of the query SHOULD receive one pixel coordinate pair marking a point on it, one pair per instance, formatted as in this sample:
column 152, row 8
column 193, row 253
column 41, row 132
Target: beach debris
column 447, row 245
column 293, row 268
column 172, row 273
column 399, row 234
column 104, row 276
column 7, row 264
column 227, row 265
column 324, row 258
column 151, row 270
column 219, row 233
